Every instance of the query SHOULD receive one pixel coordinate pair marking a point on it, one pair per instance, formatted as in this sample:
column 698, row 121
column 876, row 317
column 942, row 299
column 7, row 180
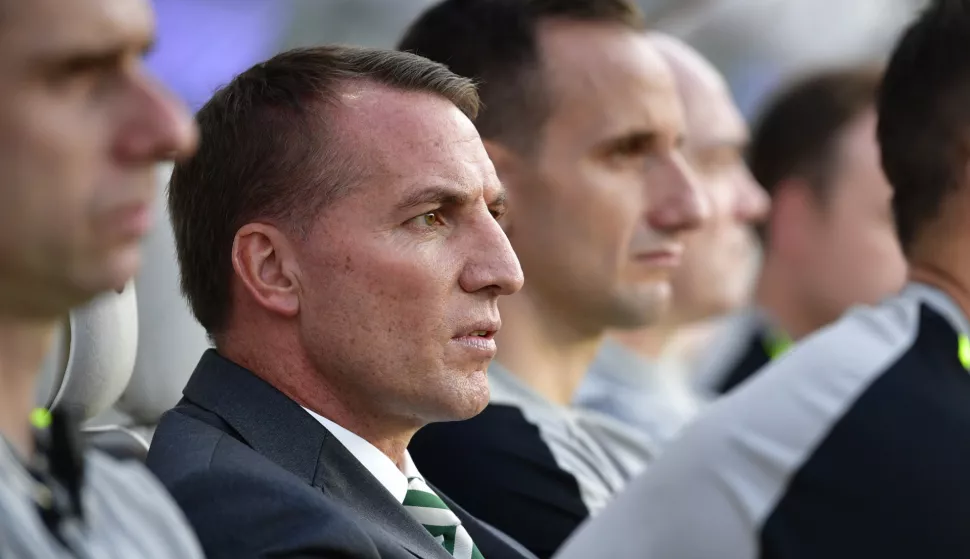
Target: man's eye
column 429, row 219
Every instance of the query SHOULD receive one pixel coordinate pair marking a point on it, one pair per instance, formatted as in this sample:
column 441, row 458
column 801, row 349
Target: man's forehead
column 400, row 127
column 612, row 71
column 415, row 140
column 577, row 52
column 61, row 28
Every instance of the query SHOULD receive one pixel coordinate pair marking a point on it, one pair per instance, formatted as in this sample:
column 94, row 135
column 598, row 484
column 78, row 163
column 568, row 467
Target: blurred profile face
column 599, row 217
column 853, row 255
column 401, row 277
column 721, row 256
column 80, row 129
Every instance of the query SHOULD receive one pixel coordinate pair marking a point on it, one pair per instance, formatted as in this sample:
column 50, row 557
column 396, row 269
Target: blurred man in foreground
column 829, row 242
column 81, row 128
column 638, row 376
column 856, row 444
column 583, row 123
column 337, row 237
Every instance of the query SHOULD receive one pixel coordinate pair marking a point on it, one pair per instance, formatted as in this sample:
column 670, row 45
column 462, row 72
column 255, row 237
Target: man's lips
column 662, row 257
column 478, row 338
column 132, row 220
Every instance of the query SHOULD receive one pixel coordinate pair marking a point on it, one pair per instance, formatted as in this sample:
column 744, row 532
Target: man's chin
column 469, row 400
column 644, row 307
column 115, row 273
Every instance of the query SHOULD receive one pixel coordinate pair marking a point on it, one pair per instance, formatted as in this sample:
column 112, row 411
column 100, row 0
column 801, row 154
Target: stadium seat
column 91, row 364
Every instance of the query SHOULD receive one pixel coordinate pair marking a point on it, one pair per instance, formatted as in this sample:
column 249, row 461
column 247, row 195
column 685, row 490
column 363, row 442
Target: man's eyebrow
column 724, row 142
column 632, row 137
column 93, row 55
column 434, row 195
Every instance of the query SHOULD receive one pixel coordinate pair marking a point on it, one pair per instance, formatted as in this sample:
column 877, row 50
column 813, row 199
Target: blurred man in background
column 348, row 273
column 583, row 123
column 81, row 129
column 638, row 376
column 856, row 444
column 829, row 242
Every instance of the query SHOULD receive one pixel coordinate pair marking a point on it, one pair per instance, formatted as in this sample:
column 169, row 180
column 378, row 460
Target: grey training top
column 654, row 397
column 855, row 443
column 127, row 515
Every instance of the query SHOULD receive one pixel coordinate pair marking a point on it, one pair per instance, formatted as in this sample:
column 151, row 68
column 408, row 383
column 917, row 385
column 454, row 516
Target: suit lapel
column 279, row 429
column 357, row 489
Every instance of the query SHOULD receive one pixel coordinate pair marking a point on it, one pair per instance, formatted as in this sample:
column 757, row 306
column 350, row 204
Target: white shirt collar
column 377, row 463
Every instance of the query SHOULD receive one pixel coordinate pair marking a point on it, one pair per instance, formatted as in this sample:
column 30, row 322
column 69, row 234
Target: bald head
column 711, row 115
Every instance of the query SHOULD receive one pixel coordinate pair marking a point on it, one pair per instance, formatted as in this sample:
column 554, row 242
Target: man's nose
column 491, row 264
column 751, row 201
column 675, row 200
column 156, row 126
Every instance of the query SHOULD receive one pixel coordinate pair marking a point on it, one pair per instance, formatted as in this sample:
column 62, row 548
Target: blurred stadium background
column 756, row 43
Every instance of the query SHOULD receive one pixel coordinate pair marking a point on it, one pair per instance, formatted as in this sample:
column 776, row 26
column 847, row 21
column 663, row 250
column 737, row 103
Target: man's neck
column 291, row 371
column 649, row 343
column 774, row 296
column 23, row 346
column 945, row 268
column 681, row 343
column 542, row 350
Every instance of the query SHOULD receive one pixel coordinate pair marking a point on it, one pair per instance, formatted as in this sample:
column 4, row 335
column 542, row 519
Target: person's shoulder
column 866, row 337
column 189, row 454
column 124, row 478
column 817, row 379
column 144, row 511
column 240, row 502
column 727, row 471
column 748, row 443
column 183, row 443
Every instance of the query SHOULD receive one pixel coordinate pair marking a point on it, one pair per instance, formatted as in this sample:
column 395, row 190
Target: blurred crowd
column 484, row 279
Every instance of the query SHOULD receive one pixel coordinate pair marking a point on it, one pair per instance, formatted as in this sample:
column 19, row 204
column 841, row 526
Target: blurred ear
column 509, row 168
column 265, row 262
column 796, row 214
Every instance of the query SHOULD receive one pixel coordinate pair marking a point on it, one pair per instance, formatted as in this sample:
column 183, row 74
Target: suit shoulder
column 241, row 504
column 187, row 451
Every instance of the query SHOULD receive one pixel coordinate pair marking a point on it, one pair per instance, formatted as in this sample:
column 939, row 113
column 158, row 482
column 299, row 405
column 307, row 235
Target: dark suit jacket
column 257, row 476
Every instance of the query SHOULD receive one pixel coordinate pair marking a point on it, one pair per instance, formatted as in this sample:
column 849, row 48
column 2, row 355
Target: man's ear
column 265, row 262
column 509, row 168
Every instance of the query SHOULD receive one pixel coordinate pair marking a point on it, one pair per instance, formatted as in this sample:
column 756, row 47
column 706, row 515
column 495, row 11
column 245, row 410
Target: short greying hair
column 266, row 152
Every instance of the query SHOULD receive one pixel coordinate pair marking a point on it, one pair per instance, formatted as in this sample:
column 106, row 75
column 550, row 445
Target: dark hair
column 798, row 131
column 266, row 152
column 924, row 115
column 494, row 42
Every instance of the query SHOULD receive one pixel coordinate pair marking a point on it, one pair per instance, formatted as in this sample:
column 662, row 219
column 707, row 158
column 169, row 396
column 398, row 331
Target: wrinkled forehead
column 32, row 29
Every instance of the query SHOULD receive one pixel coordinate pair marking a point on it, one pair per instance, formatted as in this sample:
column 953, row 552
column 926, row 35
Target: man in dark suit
column 337, row 237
